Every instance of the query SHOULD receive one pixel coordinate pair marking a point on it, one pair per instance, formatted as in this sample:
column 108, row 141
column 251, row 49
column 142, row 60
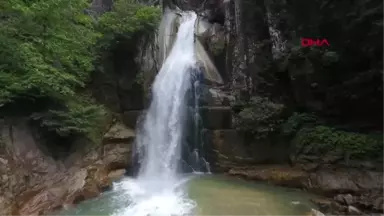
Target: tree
column 48, row 50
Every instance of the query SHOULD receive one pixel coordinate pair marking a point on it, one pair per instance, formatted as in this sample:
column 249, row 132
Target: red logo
column 307, row 42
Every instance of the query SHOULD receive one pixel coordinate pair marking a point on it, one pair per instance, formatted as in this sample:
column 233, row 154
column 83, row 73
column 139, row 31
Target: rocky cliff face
column 33, row 183
column 234, row 41
column 260, row 54
column 256, row 47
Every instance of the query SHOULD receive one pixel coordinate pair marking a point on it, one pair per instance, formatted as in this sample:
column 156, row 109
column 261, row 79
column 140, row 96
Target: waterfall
column 158, row 188
column 166, row 33
column 160, row 139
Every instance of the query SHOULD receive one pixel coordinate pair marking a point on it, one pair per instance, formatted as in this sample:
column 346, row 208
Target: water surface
column 212, row 194
column 220, row 195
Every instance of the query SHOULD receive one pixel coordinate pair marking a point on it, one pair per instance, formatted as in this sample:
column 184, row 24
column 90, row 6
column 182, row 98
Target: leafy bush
column 308, row 134
column 323, row 139
column 80, row 117
column 260, row 117
column 296, row 121
column 126, row 20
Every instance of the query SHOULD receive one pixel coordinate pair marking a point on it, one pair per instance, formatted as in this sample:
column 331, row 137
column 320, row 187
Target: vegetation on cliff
column 260, row 118
column 306, row 133
column 332, row 95
column 126, row 21
column 311, row 135
column 49, row 50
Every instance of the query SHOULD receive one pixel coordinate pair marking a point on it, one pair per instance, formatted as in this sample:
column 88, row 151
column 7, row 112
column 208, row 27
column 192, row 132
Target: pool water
column 212, row 195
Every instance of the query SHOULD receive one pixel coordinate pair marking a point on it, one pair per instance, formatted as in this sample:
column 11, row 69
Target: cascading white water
column 157, row 190
column 161, row 134
column 166, row 34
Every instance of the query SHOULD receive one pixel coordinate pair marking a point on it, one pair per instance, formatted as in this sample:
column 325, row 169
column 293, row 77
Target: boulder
column 370, row 200
column 344, row 199
column 117, row 156
column 315, row 212
column 354, row 211
column 335, row 181
column 116, row 174
column 328, row 206
column 279, row 175
column 119, row 133
column 214, row 97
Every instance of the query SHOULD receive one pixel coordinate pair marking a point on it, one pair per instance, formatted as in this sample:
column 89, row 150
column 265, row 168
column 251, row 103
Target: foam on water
column 163, row 202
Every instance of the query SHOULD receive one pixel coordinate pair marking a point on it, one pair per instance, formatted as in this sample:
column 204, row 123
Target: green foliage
column 127, row 25
column 260, row 117
column 82, row 116
column 46, row 49
column 323, row 139
column 47, row 56
column 126, row 20
column 297, row 121
column 308, row 134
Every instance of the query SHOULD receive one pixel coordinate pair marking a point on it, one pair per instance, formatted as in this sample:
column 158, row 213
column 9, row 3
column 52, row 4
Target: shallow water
column 213, row 195
column 219, row 195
